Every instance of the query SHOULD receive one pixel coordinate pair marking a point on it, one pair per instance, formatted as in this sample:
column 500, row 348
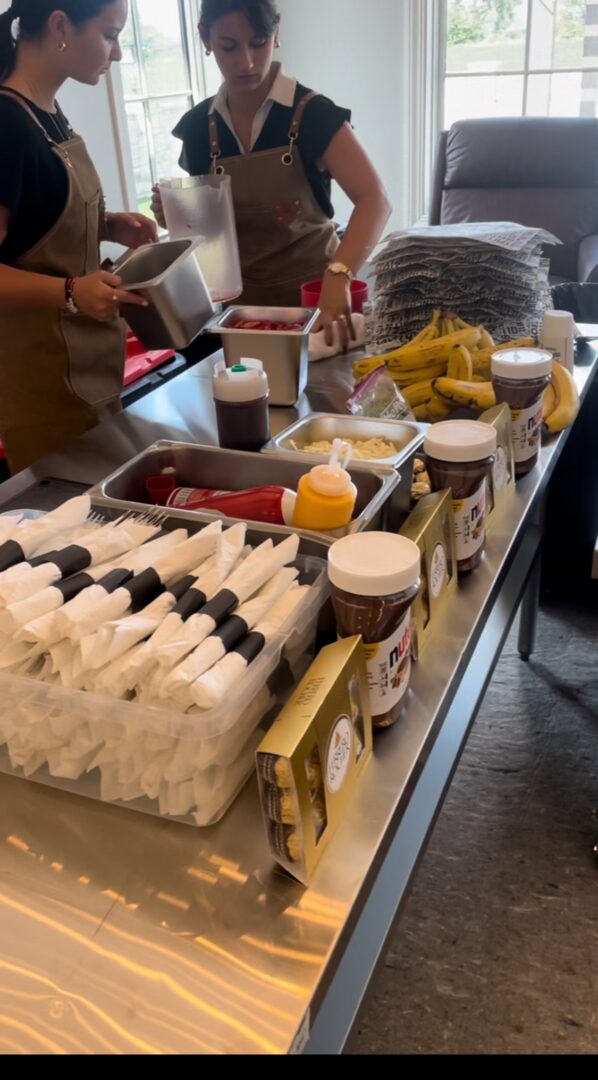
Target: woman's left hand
column 131, row 230
column 335, row 306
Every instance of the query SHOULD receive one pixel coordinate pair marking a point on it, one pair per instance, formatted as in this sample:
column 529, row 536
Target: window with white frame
column 162, row 77
column 520, row 58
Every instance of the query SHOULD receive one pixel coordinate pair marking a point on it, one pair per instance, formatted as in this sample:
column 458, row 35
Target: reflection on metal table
column 123, row 933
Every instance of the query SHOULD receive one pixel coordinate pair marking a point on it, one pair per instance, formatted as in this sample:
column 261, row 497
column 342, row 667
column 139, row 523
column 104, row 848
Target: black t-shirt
column 33, row 179
column 321, row 122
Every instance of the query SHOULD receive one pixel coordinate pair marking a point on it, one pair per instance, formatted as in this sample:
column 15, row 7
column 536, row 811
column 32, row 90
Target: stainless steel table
column 121, row 933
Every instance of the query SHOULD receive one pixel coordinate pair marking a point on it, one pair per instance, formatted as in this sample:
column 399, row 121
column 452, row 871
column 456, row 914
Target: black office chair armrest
column 588, row 260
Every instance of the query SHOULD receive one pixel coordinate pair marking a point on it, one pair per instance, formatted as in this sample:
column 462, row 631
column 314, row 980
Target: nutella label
column 470, row 523
column 527, row 427
column 389, row 668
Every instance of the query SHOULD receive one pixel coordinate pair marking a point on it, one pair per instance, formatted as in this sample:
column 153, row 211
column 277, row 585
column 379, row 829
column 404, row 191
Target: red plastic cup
column 360, row 293
column 159, row 488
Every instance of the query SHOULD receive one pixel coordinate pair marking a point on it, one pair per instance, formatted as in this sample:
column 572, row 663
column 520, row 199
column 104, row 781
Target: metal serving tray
column 232, row 470
column 320, row 427
column 169, row 276
column 284, row 353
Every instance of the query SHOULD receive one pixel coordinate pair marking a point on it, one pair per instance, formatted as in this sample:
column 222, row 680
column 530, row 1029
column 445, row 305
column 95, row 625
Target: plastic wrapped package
column 187, row 766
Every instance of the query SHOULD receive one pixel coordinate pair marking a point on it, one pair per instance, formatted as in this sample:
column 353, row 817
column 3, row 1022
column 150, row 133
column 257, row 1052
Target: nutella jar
column 375, row 579
column 460, row 456
column 520, row 377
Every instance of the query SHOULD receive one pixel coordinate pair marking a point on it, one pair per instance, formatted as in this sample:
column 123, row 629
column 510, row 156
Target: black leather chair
column 532, row 170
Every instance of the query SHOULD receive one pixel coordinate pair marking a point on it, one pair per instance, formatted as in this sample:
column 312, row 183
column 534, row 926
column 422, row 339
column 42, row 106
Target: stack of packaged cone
column 494, row 274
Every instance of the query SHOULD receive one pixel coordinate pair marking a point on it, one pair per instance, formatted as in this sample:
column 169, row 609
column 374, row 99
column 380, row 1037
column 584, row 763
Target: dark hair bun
column 261, row 14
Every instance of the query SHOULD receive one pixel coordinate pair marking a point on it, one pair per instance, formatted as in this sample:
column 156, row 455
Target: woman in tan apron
column 281, row 144
column 61, row 338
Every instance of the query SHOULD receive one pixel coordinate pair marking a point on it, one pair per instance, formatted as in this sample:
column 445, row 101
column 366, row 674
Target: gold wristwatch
column 340, row 268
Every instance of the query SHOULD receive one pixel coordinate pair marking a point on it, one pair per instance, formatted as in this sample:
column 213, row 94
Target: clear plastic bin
column 202, row 207
column 188, row 767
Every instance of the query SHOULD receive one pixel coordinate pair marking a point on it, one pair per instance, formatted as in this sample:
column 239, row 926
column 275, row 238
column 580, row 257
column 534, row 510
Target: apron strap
column 299, row 112
column 7, row 91
column 287, row 157
column 215, row 151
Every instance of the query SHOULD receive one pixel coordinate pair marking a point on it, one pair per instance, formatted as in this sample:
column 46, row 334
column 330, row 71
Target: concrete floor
column 497, row 948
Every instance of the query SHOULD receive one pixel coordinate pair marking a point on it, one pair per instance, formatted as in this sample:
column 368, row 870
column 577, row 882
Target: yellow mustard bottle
column 326, row 496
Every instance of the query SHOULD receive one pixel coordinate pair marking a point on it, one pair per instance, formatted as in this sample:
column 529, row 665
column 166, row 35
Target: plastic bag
column 378, row 396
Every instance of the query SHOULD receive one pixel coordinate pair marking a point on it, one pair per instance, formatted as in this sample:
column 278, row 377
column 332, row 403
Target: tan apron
column 59, row 372
column 285, row 238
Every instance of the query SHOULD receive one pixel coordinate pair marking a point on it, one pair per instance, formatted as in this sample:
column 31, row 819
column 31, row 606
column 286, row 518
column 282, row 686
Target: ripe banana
column 549, row 402
column 481, row 367
column 439, row 409
column 460, row 365
column 567, row 400
column 437, row 349
column 420, row 412
column 417, row 370
column 419, row 393
column 431, row 333
column 468, row 395
column 486, row 340
column 408, row 378
column 485, row 354
column 427, row 334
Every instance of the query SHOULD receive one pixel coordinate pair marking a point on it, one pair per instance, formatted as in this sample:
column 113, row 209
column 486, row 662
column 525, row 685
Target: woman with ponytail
column 282, row 145
column 61, row 337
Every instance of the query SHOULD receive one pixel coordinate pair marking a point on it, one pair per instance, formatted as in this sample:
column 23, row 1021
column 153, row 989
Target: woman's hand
column 131, row 230
column 100, row 294
column 157, row 207
column 335, row 306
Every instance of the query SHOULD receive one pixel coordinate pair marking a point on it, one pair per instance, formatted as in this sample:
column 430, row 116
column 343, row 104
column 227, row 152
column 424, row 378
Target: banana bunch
column 561, row 401
column 448, row 351
column 560, row 406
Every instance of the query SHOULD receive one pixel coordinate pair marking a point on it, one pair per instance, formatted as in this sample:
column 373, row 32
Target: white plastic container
column 558, row 335
column 189, row 767
column 202, row 207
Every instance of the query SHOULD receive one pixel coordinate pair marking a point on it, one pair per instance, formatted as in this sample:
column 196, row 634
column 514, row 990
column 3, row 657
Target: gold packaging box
column 310, row 761
column 502, row 481
column 430, row 526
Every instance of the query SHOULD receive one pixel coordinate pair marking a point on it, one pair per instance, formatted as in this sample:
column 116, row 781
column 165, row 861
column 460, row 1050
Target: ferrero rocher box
column 311, row 759
column 430, row 526
column 502, row 481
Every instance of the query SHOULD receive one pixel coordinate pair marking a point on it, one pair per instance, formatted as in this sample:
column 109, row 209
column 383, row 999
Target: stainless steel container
column 169, row 276
column 408, row 436
column 284, row 354
column 231, row 470
column 326, row 427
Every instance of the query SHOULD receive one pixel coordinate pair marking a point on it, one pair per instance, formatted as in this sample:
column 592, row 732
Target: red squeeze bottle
column 273, row 505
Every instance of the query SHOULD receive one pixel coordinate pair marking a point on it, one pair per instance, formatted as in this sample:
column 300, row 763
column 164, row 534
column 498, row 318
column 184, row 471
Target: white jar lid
column 374, row 564
column 461, row 441
column 519, row 365
column 246, row 381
